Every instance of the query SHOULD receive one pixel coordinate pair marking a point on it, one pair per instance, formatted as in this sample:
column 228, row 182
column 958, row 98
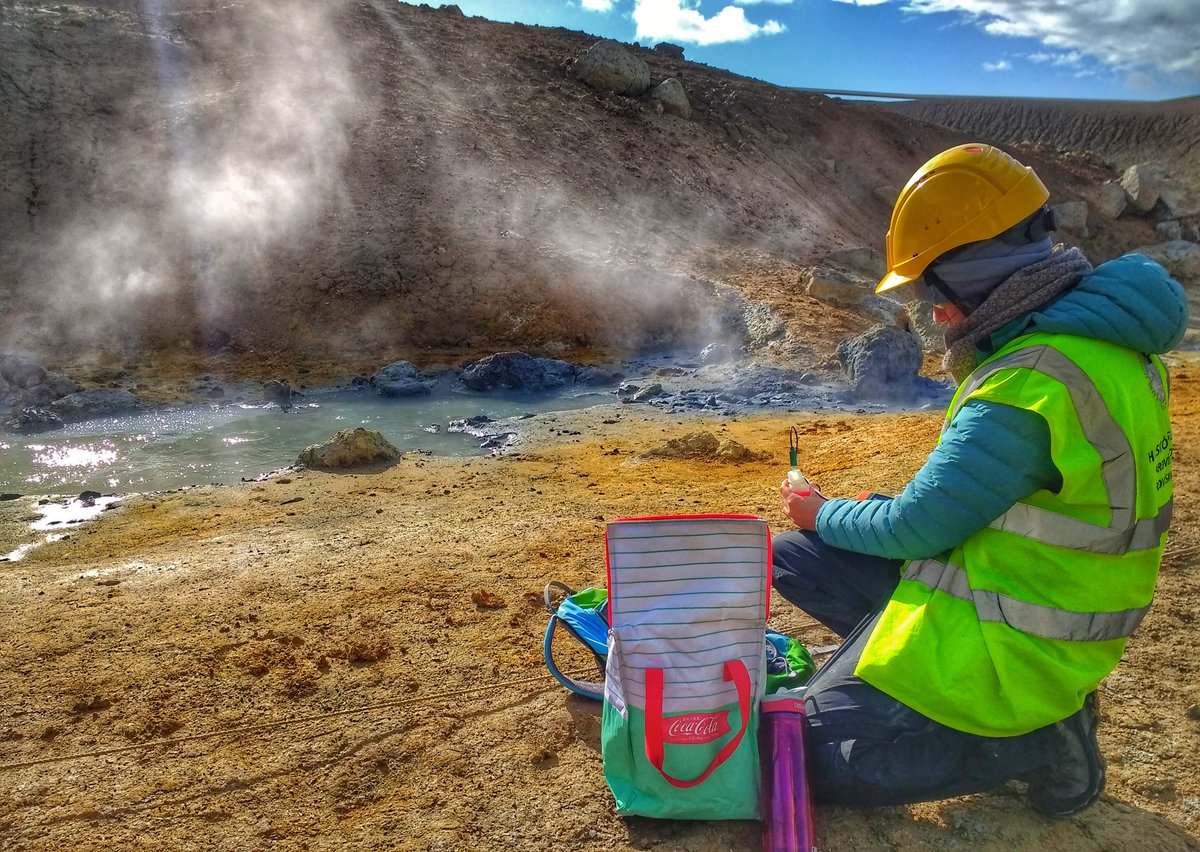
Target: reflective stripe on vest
column 1124, row 532
column 1045, row 621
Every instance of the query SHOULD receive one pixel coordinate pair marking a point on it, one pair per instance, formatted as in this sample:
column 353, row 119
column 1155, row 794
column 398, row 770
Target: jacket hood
column 1130, row 301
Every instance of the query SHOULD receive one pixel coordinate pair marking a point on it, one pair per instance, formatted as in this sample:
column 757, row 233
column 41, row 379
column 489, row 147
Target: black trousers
column 865, row 747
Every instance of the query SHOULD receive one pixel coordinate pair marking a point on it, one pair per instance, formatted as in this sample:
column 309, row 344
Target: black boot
column 1075, row 778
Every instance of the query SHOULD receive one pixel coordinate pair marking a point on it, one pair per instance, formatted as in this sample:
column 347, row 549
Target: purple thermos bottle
column 787, row 810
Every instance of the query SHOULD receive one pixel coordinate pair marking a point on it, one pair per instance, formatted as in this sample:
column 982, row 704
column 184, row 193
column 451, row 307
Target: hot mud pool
column 169, row 448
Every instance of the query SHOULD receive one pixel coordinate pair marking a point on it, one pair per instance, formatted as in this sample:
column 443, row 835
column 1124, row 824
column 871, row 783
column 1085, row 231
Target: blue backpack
column 584, row 615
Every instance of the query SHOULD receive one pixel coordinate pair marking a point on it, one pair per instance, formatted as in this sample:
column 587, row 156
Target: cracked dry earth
column 321, row 661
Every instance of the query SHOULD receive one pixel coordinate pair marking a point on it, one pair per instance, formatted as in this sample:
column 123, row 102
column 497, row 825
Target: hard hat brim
column 893, row 280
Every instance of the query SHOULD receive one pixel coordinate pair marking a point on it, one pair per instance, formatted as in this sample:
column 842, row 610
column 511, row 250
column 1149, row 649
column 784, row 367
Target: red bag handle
column 735, row 670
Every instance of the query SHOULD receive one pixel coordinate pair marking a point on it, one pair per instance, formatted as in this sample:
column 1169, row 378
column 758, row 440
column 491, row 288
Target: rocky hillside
column 320, row 182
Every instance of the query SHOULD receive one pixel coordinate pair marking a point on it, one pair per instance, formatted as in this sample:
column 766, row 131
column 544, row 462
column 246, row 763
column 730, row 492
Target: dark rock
column 518, row 371
column 24, row 371
column 499, row 441
column 593, row 376
column 37, row 396
column 89, row 498
column 882, row 362
column 765, row 380
column 399, row 379
column 58, row 385
column 278, row 392
column 469, row 424
column 84, row 405
column 28, row 421
column 666, row 48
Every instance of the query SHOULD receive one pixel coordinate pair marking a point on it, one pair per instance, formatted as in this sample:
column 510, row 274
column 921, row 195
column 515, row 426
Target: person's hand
column 801, row 508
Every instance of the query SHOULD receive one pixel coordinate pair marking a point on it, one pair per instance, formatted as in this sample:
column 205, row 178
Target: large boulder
column 1111, row 200
column 609, row 67
column 1142, row 182
column 518, row 371
column 84, row 405
column 1178, row 200
column 399, row 379
column 884, row 361
column 54, row 386
column 666, row 48
column 670, row 95
column 349, row 448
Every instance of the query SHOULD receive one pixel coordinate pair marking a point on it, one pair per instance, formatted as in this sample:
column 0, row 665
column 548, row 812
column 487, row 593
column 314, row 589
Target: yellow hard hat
column 963, row 195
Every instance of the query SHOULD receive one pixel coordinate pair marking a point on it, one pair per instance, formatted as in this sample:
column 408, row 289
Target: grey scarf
column 1026, row 290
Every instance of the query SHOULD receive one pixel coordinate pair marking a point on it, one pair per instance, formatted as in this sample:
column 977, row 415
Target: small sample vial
column 798, row 482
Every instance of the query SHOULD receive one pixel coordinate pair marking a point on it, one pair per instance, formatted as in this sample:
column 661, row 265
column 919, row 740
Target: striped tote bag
column 688, row 599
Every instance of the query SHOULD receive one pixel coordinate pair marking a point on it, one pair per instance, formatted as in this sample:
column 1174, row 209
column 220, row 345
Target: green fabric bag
column 686, row 665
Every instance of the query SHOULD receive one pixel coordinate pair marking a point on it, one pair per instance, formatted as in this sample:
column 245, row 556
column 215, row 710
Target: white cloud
column 1072, row 58
column 1123, row 34
column 1002, row 65
column 773, row 2
column 682, row 21
column 597, row 5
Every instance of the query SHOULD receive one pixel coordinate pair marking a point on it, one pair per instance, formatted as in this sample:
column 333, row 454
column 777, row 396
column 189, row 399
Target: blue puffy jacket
column 993, row 455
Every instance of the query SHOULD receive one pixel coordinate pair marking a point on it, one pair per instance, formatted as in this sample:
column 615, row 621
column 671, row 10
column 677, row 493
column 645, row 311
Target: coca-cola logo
column 694, row 728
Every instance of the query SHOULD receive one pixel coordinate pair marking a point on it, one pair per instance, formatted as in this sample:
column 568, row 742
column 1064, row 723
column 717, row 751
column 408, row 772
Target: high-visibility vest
column 1010, row 630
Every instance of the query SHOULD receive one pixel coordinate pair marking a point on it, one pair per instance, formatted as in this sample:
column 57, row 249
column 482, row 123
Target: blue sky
column 1108, row 49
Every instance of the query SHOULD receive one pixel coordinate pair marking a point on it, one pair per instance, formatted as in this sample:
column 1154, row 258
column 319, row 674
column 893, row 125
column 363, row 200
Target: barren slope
column 329, row 181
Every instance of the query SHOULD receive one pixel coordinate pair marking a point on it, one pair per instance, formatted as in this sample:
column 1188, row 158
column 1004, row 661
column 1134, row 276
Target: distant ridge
column 1120, row 132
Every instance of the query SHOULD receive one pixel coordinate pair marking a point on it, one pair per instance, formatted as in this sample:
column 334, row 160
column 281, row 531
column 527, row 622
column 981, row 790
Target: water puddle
column 171, row 448
column 71, row 513
column 49, row 514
